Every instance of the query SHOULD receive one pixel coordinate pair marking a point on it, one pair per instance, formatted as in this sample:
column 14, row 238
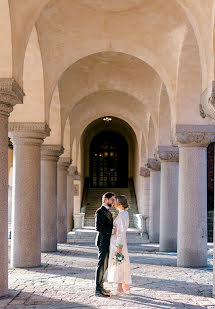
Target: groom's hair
column 107, row 195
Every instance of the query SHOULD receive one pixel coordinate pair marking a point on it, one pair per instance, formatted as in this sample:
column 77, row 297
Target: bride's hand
column 114, row 231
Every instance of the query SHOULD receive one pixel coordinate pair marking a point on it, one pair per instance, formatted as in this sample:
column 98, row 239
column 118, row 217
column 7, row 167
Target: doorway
column 109, row 161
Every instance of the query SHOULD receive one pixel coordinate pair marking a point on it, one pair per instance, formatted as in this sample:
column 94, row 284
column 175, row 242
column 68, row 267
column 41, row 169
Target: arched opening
column 109, row 160
column 109, row 163
column 108, row 150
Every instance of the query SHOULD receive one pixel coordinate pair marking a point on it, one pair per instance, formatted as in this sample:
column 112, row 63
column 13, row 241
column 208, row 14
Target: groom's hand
column 114, row 231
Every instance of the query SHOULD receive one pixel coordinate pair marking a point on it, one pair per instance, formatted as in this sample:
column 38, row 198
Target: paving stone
column 66, row 280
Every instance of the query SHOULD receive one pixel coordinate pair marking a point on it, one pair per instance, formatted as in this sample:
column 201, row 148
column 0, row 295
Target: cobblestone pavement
column 66, row 280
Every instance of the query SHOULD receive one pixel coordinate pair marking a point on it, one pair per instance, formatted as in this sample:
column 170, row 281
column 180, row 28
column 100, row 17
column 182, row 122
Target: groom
column 104, row 227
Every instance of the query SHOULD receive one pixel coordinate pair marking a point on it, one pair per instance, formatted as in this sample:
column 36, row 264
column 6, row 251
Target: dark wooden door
column 109, row 161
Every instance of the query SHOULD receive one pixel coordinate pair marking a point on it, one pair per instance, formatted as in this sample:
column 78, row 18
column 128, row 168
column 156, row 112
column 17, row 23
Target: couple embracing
column 112, row 246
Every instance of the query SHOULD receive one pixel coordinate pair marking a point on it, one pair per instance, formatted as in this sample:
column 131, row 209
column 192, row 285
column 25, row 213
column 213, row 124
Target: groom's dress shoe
column 105, row 291
column 101, row 293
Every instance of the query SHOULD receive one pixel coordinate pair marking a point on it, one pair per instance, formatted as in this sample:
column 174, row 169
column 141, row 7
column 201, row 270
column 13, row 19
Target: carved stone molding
column 168, row 153
column 153, row 164
column 51, row 152
column 144, row 171
column 72, row 170
column 207, row 102
column 10, row 92
column 194, row 135
column 64, row 163
column 5, row 109
column 28, row 132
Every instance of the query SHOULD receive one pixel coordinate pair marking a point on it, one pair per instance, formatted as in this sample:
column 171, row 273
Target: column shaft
column 4, row 198
column 26, row 212
column 62, row 172
column 26, row 233
column 146, row 196
column 49, row 158
column 169, row 206
column 192, row 214
column 10, row 95
column 169, row 197
column 145, row 206
column 154, row 210
column 70, row 199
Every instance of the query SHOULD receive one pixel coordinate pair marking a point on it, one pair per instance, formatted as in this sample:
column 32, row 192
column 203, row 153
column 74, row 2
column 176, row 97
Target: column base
column 154, row 238
column 191, row 259
column 168, row 246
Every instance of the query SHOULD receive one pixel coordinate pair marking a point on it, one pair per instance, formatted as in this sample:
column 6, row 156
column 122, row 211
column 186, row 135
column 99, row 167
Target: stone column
column 63, row 164
column 10, row 95
column 70, row 202
column 49, row 157
column 154, row 209
column 26, row 214
column 169, row 157
column 145, row 172
column 192, row 203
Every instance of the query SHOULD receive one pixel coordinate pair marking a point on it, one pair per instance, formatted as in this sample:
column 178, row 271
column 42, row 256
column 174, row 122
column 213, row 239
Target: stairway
column 92, row 201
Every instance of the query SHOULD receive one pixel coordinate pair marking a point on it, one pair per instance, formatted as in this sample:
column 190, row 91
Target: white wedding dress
column 119, row 273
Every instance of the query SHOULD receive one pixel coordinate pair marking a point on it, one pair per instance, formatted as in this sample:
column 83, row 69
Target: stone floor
column 66, row 280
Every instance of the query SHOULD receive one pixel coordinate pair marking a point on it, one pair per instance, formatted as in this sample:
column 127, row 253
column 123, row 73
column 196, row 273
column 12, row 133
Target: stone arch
column 33, row 108
column 189, row 83
column 74, row 151
column 22, row 29
column 143, row 151
column 124, row 130
column 164, row 118
column 67, row 139
column 6, row 62
column 102, row 104
column 202, row 24
column 55, row 120
column 110, row 71
column 151, row 139
column 115, row 37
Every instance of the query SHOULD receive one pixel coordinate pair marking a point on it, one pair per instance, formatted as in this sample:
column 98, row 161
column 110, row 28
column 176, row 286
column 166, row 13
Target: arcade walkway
column 66, row 280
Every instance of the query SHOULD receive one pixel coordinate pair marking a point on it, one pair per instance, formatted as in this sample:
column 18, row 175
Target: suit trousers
column 102, row 266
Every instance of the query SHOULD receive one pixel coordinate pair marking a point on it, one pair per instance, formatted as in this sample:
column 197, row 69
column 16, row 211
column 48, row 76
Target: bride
column 119, row 265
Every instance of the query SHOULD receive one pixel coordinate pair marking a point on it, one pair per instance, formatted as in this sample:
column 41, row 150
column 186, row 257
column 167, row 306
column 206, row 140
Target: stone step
column 88, row 234
column 92, row 201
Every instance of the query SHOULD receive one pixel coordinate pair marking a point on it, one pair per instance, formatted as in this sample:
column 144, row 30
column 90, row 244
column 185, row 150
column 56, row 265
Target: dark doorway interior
column 109, row 161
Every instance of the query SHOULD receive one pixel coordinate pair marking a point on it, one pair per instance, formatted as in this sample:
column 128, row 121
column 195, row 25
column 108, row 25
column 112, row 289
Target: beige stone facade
column 64, row 65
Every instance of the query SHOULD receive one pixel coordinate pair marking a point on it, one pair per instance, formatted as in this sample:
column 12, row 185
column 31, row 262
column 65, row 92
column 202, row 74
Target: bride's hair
column 122, row 199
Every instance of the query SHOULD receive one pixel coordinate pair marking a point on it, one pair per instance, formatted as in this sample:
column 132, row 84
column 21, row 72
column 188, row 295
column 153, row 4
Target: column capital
column 64, row 163
column 167, row 153
column 144, row 171
column 153, row 164
column 10, row 94
column 207, row 102
column 28, row 132
column 72, row 170
column 51, row 152
column 194, row 135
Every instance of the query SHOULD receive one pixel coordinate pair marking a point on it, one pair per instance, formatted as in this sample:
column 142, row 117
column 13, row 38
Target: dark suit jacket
column 104, row 226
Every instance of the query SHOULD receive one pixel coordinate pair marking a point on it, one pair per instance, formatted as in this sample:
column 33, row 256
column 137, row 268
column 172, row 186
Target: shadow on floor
column 19, row 299
column 156, row 303
column 173, row 286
